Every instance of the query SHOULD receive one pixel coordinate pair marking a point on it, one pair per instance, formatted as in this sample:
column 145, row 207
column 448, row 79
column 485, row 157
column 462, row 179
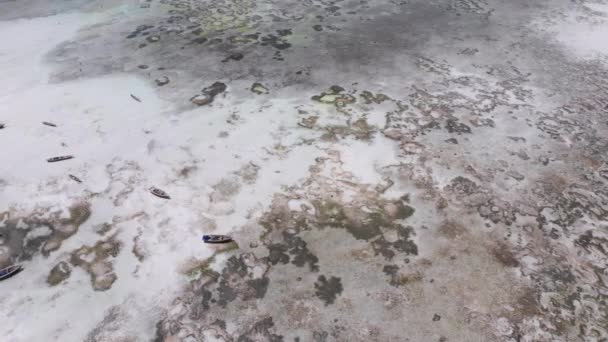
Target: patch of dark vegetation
column 591, row 243
column 561, row 277
column 332, row 214
column 359, row 129
column 369, row 97
column 59, row 273
column 403, row 244
column 504, row 255
column 335, row 95
column 453, row 126
column 139, row 30
column 384, row 248
column 498, row 211
column 390, row 270
column 328, row 289
column 209, row 93
column 277, row 253
column 235, row 282
column 262, row 330
column 277, row 42
column 362, row 226
column 220, row 323
column 199, row 40
column 235, row 56
column 295, row 247
column 398, row 279
column 97, row 261
column 320, row 336
column 302, row 256
column 226, row 292
column 215, row 89
column 24, row 237
column 260, row 285
column 462, row 186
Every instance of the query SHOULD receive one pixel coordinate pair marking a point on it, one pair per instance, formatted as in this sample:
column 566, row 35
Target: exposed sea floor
column 389, row 170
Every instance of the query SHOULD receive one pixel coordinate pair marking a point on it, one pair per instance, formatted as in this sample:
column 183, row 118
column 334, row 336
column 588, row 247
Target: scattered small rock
column 318, row 28
column 236, row 56
column 143, row 66
column 215, row 89
column 161, row 81
column 544, row 160
column 209, row 93
column 259, row 88
column 59, row 273
column 2, row 126
column 200, row 40
column 381, row 188
column 153, row 39
column 453, row 126
column 201, row 99
column 452, row 141
column 516, row 175
column 308, row 122
column 284, row 32
column 436, row 317
column 517, row 139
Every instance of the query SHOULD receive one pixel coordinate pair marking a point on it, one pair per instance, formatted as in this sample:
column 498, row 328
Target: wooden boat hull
column 216, row 239
column 10, row 271
column 159, row 193
column 60, row 158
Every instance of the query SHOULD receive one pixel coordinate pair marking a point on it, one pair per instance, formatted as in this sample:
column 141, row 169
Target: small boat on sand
column 10, row 271
column 159, row 193
column 75, row 179
column 49, row 123
column 60, row 158
column 216, row 238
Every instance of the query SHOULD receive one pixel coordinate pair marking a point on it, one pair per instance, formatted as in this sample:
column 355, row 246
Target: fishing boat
column 49, row 123
column 75, row 179
column 60, row 158
column 216, row 238
column 159, row 193
column 10, row 271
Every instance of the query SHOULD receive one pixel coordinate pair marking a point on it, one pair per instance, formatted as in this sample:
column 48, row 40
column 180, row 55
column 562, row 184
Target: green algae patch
column 202, row 268
column 334, row 96
column 197, row 269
